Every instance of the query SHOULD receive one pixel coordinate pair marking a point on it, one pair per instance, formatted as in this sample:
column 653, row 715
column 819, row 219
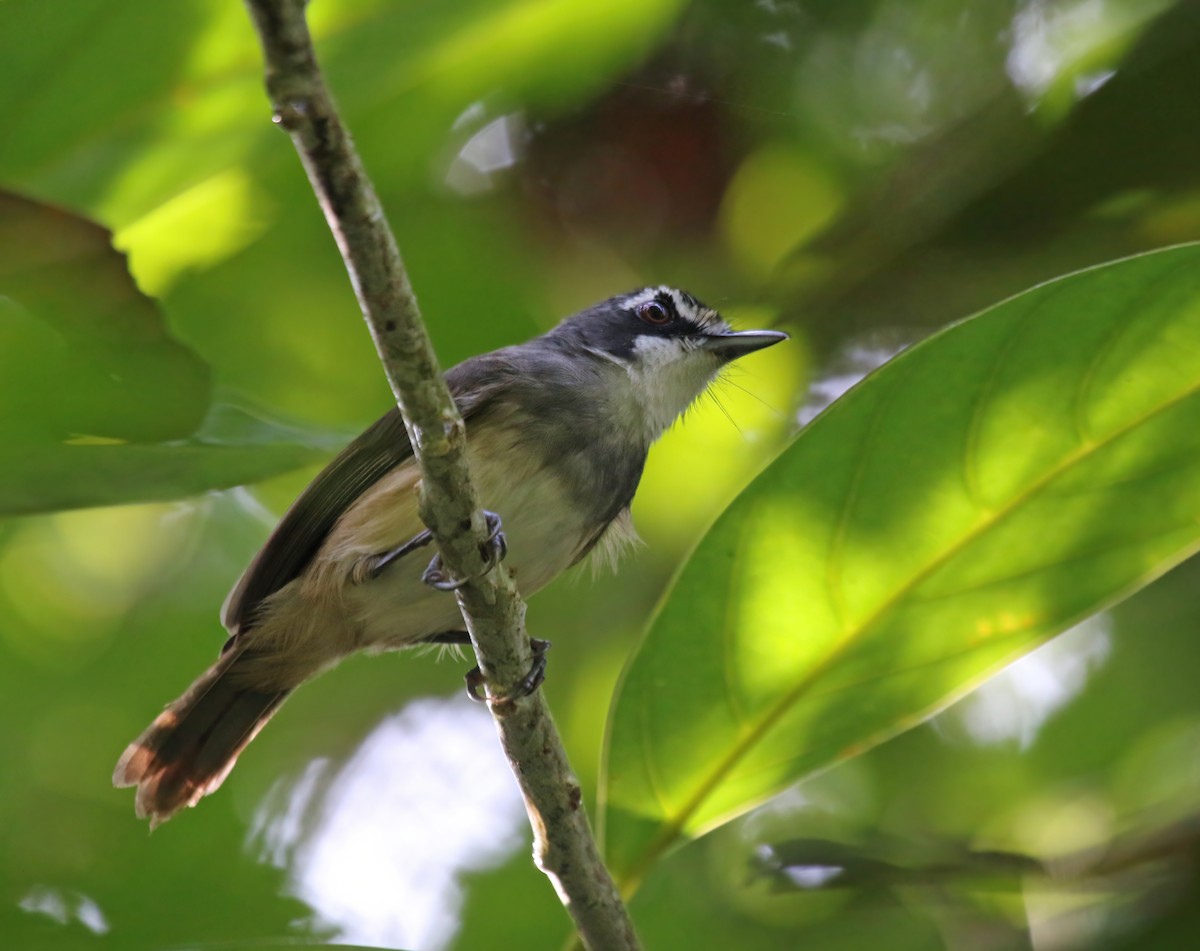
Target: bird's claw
column 435, row 576
column 372, row 567
column 493, row 551
column 475, row 679
column 527, row 684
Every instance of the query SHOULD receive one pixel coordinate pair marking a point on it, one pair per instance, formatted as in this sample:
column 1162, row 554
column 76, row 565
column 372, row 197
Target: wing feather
column 378, row 450
column 295, row 540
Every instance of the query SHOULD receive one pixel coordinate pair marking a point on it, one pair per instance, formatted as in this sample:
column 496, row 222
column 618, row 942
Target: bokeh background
column 858, row 173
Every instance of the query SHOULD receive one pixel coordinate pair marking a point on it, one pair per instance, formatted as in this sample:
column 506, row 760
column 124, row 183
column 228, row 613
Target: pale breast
column 544, row 530
column 335, row 608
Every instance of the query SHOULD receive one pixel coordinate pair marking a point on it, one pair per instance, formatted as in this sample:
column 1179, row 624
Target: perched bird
column 557, row 435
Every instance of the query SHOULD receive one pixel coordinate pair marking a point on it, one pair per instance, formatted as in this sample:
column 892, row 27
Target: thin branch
column 564, row 847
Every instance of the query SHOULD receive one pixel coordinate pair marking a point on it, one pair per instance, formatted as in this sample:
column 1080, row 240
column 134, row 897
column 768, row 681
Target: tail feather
column 191, row 746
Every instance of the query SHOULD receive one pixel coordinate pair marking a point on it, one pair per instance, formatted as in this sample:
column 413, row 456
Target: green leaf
column 52, row 478
column 974, row 497
column 96, row 396
column 82, row 350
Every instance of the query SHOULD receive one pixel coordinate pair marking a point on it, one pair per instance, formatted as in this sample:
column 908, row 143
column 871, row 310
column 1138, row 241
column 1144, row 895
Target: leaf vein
column 675, row 823
column 1120, row 328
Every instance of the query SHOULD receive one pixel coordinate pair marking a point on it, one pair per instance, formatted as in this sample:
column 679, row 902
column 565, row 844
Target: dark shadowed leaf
column 82, row 350
column 92, row 384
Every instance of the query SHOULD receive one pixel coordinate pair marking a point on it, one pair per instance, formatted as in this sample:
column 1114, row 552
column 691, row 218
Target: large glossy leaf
column 971, row 499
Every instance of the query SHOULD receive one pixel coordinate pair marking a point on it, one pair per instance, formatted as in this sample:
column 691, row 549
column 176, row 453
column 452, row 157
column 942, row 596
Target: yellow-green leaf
column 977, row 495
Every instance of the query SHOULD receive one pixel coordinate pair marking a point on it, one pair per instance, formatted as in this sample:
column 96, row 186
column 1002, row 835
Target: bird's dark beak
column 730, row 346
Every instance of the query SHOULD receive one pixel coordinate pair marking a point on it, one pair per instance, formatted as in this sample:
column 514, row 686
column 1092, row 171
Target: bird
column 558, row 431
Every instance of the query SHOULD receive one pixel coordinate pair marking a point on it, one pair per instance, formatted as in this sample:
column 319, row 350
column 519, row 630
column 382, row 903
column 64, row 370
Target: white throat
column 667, row 377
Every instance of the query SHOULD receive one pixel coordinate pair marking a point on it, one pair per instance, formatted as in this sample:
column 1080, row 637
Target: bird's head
column 670, row 345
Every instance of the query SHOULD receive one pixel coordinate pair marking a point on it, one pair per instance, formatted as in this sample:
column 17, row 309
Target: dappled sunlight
column 1076, row 828
column 1061, row 50
column 71, row 577
column 829, row 806
column 935, row 584
column 776, row 631
column 855, row 360
column 493, row 148
column 378, row 846
column 65, row 907
column 859, row 175
column 1160, row 775
column 778, row 200
column 1064, row 823
column 902, row 77
column 1014, row 705
column 553, row 48
column 196, row 229
column 204, row 128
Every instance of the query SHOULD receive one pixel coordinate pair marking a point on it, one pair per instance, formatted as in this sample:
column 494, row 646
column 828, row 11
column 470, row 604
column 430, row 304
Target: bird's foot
column 371, row 567
column 475, row 679
column 525, row 686
column 492, row 551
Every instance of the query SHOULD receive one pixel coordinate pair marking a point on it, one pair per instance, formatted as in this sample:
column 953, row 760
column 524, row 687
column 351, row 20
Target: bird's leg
column 537, row 670
column 371, row 567
column 475, row 679
column 492, row 552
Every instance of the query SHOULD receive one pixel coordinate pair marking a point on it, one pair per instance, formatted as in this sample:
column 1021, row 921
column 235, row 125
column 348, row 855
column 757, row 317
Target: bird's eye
column 653, row 312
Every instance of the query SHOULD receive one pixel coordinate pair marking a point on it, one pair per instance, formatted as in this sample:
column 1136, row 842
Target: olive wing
column 382, row 447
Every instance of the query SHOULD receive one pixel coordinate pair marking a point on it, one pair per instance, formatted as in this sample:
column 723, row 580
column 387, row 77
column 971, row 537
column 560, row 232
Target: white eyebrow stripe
column 686, row 306
column 681, row 306
column 647, row 295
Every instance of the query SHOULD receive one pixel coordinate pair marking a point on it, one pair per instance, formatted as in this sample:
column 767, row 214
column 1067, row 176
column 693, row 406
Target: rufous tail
column 191, row 746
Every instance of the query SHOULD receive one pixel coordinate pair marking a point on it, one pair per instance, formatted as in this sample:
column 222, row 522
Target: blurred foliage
column 84, row 351
column 856, row 172
column 92, row 385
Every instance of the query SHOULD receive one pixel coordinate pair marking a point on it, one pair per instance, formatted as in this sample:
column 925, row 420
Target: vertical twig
column 564, row 847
